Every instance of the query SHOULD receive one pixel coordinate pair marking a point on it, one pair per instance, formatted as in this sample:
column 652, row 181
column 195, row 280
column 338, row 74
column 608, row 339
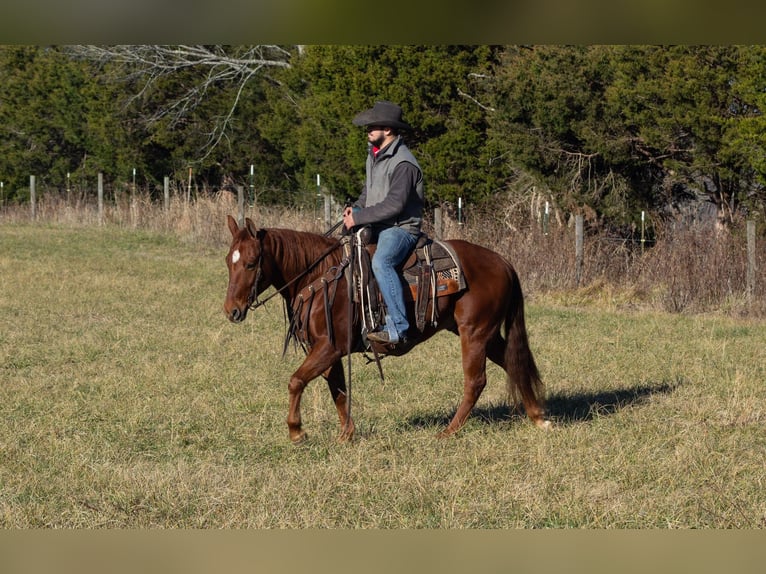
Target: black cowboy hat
column 384, row 114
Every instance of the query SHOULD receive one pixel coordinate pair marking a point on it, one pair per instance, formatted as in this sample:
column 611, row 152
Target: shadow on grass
column 562, row 408
column 582, row 407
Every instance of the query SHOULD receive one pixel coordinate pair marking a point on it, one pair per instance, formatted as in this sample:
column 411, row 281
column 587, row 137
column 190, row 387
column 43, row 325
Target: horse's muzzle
column 237, row 315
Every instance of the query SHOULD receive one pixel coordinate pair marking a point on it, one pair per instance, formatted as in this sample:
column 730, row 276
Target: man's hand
column 348, row 218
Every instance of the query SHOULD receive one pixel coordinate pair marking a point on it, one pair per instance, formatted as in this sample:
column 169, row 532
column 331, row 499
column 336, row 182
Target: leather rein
column 253, row 298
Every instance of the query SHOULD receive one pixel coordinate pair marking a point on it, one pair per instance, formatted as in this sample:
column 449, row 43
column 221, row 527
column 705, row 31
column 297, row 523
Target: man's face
column 376, row 135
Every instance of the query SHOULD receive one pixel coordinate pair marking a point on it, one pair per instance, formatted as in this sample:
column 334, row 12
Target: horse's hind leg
column 336, row 381
column 474, row 380
column 496, row 354
column 524, row 388
column 496, row 350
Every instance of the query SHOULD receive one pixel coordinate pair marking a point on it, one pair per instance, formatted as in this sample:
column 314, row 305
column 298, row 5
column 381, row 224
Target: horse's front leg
column 294, row 425
column 336, row 381
column 319, row 360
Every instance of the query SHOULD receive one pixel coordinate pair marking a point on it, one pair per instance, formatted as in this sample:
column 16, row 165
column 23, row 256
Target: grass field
column 128, row 400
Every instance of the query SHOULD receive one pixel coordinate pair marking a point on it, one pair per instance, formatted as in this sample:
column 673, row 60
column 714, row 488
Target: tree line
column 604, row 130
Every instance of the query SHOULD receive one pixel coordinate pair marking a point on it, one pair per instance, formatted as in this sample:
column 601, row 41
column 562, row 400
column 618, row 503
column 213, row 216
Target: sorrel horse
column 292, row 261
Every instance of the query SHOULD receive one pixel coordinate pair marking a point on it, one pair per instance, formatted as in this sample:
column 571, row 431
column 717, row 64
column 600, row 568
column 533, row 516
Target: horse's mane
column 298, row 250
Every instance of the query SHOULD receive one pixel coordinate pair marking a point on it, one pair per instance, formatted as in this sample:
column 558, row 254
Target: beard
column 377, row 141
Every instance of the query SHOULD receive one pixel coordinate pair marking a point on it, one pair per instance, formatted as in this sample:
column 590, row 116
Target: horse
column 293, row 262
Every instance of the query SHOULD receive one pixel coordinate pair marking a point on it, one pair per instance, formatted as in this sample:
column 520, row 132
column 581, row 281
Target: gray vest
column 379, row 170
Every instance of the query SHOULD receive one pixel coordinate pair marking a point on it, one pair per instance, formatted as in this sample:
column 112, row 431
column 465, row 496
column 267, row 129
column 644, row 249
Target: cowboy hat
column 383, row 114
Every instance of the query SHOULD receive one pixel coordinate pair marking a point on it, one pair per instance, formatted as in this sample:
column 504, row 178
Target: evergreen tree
column 42, row 117
column 607, row 129
column 681, row 108
column 624, row 128
column 329, row 85
column 552, row 120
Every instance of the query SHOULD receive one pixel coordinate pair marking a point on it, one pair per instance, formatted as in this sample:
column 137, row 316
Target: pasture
column 128, row 400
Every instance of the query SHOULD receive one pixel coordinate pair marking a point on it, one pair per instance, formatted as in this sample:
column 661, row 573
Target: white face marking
column 235, row 256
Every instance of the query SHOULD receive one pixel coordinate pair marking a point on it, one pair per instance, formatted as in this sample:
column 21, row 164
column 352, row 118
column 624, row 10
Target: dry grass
column 685, row 269
column 128, row 400
column 197, row 222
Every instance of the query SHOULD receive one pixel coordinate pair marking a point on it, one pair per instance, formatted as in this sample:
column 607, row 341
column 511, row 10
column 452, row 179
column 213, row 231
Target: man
column 392, row 203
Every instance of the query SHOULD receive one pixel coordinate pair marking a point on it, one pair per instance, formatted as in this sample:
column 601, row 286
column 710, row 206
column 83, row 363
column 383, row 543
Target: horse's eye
column 250, row 266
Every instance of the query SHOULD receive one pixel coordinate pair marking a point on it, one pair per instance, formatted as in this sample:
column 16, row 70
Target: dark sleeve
column 403, row 182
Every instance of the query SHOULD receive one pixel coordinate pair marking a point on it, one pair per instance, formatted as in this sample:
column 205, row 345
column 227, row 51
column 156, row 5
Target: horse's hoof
column 344, row 438
column 299, row 438
column 544, row 424
column 346, row 432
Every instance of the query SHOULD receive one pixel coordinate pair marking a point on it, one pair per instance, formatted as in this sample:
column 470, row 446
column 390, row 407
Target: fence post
column 241, row 205
column 166, row 192
column 33, row 196
column 438, row 222
column 578, row 248
column 327, row 210
column 643, row 231
column 133, row 202
column 100, row 198
column 750, row 261
column 252, row 185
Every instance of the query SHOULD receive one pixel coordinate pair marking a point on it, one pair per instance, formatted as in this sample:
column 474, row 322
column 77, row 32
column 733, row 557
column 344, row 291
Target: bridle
column 253, row 302
column 252, row 299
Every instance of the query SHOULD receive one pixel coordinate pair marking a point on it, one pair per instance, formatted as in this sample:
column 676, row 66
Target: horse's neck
column 294, row 253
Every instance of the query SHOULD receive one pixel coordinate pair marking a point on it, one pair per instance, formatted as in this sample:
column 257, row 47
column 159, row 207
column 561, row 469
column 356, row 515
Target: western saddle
column 432, row 270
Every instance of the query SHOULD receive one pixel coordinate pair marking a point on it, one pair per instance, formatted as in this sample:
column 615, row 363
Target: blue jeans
column 394, row 245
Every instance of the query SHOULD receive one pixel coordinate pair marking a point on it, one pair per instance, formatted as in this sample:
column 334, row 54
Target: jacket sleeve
column 362, row 200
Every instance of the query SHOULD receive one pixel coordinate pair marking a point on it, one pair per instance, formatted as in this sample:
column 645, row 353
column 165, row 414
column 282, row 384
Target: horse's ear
column 251, row 227
column 233, row 225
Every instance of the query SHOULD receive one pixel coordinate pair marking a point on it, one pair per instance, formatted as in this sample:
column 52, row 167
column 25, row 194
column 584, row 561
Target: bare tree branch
column 475, row 101
column 148, row 64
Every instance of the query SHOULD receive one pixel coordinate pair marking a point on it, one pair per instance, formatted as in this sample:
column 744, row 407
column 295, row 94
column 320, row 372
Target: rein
column 254, row 292
column 258, row 303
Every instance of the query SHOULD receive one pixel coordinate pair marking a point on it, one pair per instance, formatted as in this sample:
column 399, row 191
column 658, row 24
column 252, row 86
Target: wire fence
column 678, row 268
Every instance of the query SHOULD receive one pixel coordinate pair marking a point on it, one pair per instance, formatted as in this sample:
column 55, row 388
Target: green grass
column 128, row 400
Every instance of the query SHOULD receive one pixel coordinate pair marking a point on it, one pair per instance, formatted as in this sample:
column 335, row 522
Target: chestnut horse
column 291, row 261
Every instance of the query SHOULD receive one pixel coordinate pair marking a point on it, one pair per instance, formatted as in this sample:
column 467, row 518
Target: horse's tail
column 523, row 379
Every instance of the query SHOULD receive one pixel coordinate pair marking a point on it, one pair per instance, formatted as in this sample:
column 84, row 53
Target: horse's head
column 245, row 263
